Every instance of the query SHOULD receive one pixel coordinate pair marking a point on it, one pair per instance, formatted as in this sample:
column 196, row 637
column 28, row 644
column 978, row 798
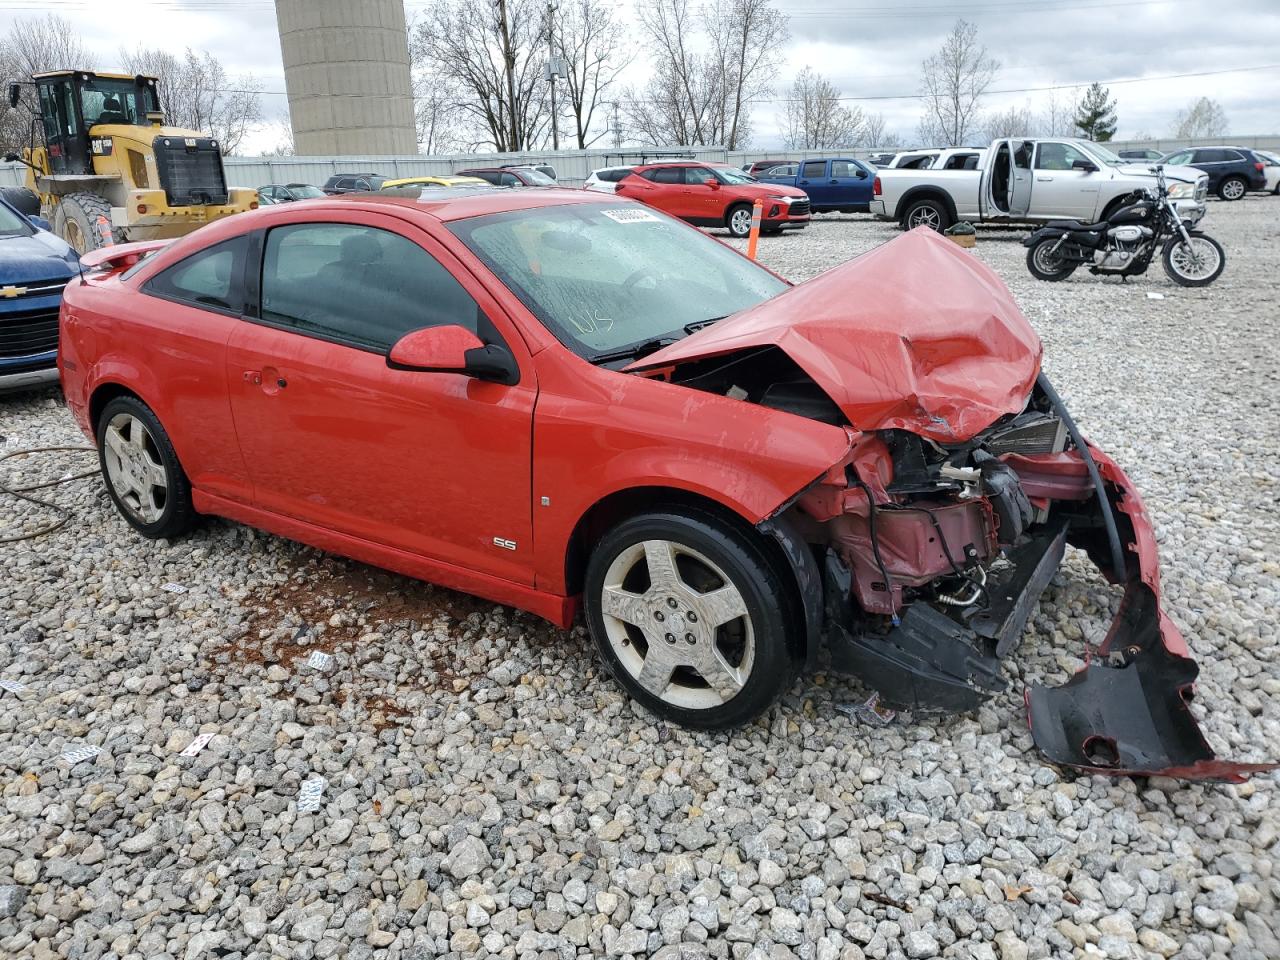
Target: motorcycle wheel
column 1197, row 264
column 1048, row 266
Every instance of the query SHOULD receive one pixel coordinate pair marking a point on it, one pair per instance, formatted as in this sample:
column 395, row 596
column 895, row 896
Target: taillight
column 875, row 187
column 1260, row 167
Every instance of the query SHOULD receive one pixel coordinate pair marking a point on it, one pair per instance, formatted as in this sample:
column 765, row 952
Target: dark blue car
column 34, row 267
column 837, row 184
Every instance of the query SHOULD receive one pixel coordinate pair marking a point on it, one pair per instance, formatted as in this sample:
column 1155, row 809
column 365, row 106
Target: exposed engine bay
column 923, row 552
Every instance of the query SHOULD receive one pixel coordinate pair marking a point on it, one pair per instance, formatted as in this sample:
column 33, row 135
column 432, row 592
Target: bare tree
column 746, row 36
column 954, row 82
column 34, row 46
column 589, row 35
column 1200, row 118
column 815, row 117
column 874, row 133
column 196, row 93
column 709, row 64
column 495, row 62
column 1059, row 116
column 1014, row 122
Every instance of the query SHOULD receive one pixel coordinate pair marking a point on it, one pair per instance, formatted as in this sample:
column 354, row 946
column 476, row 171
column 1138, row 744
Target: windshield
column 305, row 192
column 732, row 175
column 14, row 224
column 609, row 278
column 116, row 101
column 1104, row 154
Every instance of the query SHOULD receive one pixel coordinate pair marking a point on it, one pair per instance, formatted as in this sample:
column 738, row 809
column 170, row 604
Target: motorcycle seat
column 1079, row 226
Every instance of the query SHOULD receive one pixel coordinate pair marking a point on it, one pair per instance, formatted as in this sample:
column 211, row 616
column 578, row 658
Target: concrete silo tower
column 346, row 70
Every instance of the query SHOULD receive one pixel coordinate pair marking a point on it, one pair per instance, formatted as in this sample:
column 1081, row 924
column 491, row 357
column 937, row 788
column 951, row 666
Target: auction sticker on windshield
column 628, row 215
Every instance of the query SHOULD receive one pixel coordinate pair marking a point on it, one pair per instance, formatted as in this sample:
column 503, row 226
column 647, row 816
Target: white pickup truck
column 1028, row 180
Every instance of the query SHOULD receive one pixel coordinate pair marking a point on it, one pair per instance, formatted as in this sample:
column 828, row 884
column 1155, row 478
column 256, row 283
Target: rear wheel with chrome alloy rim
column 144, row 478
column 691, row 617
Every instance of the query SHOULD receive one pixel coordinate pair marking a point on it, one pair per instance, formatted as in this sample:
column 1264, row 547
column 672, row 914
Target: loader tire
column 84, row 221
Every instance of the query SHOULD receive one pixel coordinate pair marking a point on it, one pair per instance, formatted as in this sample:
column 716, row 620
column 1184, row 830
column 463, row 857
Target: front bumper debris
column 1126, row 712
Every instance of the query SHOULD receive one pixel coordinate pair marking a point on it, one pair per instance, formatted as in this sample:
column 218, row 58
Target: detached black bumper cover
column 1127, row 711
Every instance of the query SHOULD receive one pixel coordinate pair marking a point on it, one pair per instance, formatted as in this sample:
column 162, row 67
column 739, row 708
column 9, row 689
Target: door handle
column 833, row 181
column 1045, row 179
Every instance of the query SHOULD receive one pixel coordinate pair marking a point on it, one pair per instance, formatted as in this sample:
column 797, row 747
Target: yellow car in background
column 431, row 182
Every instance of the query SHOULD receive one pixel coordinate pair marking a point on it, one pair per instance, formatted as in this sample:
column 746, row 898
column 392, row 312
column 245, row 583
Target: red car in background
column 558, row 399
column 716, row 195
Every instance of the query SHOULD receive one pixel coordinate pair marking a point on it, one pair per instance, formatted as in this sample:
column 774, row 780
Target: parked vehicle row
column 1232, row 171
column 716, row 195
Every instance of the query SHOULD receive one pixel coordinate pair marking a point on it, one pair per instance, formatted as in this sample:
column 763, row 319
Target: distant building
column 346, row 70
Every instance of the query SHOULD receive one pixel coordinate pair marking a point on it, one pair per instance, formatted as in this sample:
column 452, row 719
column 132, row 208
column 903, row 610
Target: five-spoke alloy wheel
column 691, row 617
column 144, row 478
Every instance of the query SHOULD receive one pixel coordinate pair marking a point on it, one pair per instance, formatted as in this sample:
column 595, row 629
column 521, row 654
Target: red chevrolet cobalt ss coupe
column 556, row 399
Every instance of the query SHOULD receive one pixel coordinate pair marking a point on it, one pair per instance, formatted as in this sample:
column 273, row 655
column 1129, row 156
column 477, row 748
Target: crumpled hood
column 917, row 335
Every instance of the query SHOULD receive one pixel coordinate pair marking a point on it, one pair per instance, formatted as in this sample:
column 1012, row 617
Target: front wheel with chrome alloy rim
column 1196, row 263
column 144, row 478
column 691, row 617
column 739, row 221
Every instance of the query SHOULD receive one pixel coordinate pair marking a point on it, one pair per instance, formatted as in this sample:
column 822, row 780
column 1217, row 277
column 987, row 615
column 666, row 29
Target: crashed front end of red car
column 930, row 543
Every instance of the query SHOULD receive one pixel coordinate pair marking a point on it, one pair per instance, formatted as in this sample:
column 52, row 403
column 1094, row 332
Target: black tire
column 734, row 224
column 176, row 513
column 1039, row 265
column 926, row 213
column 746, row 568
column 84, row 221
column 23, row 200
column 1172, row 245
column 1232, row 188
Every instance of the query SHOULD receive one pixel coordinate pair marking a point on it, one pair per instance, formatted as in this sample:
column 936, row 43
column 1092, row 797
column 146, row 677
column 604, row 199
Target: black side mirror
column 862, row 174
column 1084, row 165
column 15, row 93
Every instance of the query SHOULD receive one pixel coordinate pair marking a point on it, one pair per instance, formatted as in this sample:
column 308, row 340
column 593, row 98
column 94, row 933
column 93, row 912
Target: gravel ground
column 487, row 791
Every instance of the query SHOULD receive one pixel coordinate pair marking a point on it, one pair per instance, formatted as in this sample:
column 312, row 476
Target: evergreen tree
column 1096, row 118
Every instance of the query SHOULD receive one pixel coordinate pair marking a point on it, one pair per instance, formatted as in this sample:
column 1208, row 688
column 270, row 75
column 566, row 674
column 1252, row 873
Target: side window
column 843, row 168
column 813, row 169
column 1057, row 156
column 357, row 285
column 697, row 176
column 1232, row 156
column 1022, row 155
column 668, row 175
column 1177, row 158
column 1208, row 156
column 510, row 180
column 204, row 279
column 362, row 184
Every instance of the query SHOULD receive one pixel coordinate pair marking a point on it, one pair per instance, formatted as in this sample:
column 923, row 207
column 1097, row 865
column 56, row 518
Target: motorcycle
column 1125, row 243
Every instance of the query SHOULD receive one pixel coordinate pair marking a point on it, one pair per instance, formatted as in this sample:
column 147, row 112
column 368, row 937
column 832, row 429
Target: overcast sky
column 869, row 48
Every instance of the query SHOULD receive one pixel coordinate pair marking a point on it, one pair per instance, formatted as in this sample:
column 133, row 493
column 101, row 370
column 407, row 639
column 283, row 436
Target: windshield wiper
column 637, row 351
column 699, row 324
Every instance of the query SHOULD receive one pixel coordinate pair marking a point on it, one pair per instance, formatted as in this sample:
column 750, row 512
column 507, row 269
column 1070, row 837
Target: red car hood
column 916, row 335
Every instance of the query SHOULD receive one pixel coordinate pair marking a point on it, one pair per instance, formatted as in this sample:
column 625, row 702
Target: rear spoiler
column 120, row 256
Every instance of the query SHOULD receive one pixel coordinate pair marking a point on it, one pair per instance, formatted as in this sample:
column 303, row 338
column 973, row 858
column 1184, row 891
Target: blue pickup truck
column 838, row 184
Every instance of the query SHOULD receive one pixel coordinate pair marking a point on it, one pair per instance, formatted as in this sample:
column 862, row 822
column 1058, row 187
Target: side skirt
column 559, row 610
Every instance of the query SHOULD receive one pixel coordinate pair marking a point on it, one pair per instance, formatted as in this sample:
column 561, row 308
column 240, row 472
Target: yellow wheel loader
column 106, row 168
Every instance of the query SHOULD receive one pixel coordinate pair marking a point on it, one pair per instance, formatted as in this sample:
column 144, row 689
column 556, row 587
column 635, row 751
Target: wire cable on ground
column 22, row 493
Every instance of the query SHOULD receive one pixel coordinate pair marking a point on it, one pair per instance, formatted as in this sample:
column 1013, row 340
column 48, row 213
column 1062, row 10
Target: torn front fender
column 1127, row 711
